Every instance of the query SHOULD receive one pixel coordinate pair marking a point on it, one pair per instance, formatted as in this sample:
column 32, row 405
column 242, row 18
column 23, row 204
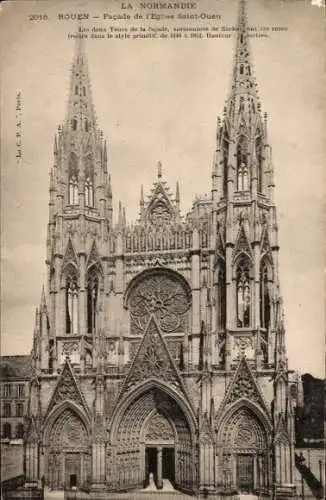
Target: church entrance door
column 245, row 473
column 154, row 443
column 151, row 465
column 168, row 464
column 72, row 469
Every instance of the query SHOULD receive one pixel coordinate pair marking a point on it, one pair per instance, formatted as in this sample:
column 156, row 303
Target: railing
column 311, row 480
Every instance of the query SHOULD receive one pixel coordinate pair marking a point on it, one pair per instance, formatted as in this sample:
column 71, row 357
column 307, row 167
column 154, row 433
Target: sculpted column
column 159, row 481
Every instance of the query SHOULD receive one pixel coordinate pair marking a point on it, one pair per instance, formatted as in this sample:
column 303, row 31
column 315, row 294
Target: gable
column 242, row 244
column 160, row 208
column 153, row 361
column 67, row 390
column 243, row 385
column 70, row 255
column 94, row 258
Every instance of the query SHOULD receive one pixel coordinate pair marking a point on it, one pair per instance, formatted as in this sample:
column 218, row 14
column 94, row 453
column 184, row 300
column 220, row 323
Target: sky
column 158, row 100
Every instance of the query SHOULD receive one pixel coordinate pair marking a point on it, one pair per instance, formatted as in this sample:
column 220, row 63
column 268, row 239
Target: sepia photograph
column 162, row 249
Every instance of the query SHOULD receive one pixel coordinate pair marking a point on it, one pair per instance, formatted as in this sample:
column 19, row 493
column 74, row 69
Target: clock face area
column 163, row 295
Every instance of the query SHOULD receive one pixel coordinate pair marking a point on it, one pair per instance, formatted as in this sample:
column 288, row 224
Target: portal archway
column 67, row 450
column 244, row 449
column 149, row 430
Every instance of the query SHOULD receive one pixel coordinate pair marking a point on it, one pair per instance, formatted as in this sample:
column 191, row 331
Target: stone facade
column 159, row 345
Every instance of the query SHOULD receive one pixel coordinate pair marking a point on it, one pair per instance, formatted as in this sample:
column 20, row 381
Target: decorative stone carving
column 66, row 389
column 160, row 213
column 243, row 386
column 243, row 431
column 152, row 360
column 159, row 429
column 175, row 349
column 69, row 347
column 244, row 346
column 68, row 432
column 163, row 296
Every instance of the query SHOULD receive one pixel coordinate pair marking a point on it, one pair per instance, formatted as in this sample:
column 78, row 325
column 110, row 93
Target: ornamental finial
column 159, row 170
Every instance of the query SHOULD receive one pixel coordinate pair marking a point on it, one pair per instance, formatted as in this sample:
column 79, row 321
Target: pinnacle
column 43, row 301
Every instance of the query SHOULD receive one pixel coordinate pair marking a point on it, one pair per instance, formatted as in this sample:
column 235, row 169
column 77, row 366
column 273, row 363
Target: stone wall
column 12, row 453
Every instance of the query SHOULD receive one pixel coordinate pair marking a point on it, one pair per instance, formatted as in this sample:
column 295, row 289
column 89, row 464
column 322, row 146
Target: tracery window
column 92, row 294
column 242, row 166
column 89, row 193
column 73, row 191
column 163, row 295
column 221, row 297
column 73, row 183
column 71, row 305
column 265, row 305
column 243, row 291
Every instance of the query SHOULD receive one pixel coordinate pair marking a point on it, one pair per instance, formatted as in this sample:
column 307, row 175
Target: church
column 159, row 345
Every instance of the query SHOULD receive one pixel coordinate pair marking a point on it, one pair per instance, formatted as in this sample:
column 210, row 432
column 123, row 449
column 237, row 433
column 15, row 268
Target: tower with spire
column 159, row 345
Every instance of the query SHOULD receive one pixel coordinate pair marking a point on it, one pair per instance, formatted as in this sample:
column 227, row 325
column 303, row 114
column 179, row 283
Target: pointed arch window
column 89, row 192
column 265, row 303
column 76, row 89
column 242, row 166
column 259, row 158
column 221, row 297
column 72, row 182
column 72, row 305
column 92, row 297
column 73, row 191
column 243, row 291
column 74, row 124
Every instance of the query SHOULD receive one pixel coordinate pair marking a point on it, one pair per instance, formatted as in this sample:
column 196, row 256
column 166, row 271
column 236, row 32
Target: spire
column 243, row 81
column 80, row 99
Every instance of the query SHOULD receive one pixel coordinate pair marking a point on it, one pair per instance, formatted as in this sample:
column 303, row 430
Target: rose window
column 163, row 296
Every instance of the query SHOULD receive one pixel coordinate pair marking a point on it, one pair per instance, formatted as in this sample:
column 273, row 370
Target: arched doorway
column 153, row 436
column 159, row 435
column 68, row 461
column 244, row 451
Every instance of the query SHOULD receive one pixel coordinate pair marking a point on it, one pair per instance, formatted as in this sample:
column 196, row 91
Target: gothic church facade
column 159, row 346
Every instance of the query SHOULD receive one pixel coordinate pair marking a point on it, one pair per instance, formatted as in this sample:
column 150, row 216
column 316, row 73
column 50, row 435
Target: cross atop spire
column 159, row 170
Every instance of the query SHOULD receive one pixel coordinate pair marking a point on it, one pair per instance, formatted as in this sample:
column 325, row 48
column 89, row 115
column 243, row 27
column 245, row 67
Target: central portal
column 154, row 445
